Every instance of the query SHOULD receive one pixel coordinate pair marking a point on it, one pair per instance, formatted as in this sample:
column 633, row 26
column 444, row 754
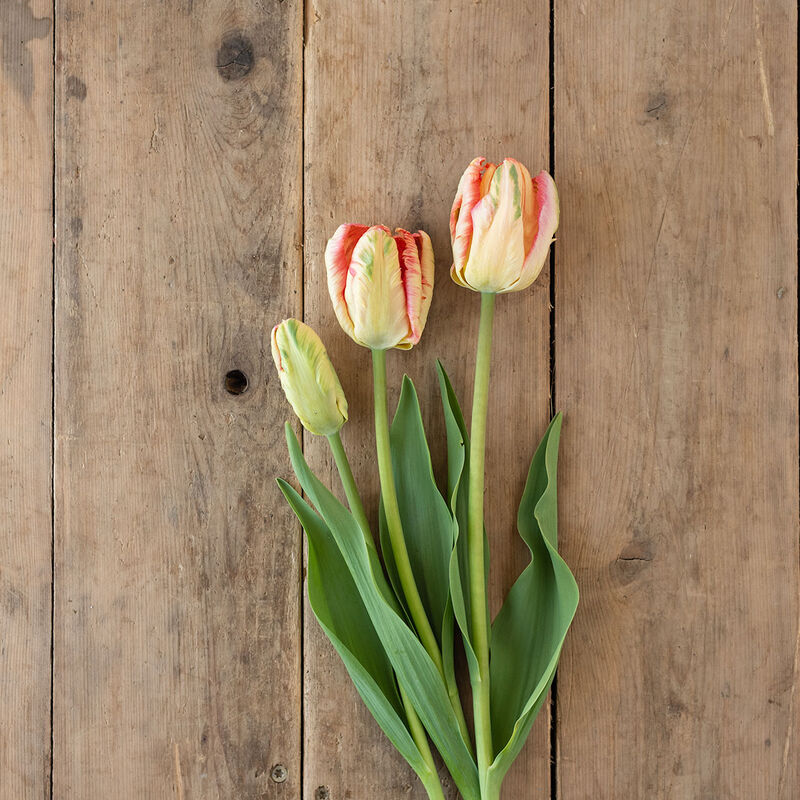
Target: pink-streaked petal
column 547, row 214
column 486, row 180
column 476, row 272
column 468, row 194
column 428, row 267
column 547, row 203
column 411, row 273
column 338, row 255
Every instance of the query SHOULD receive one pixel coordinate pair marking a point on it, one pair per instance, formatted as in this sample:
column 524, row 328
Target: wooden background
column 170, row 173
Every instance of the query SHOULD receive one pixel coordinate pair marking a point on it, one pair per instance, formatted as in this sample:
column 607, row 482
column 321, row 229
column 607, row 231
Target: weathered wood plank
column 399, row 98
column 26, row 245
column 177, row 633
column 676, row 347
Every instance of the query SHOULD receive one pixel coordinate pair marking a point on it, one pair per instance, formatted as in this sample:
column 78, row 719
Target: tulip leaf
column 529, row 631
column 457, row 488
column 428, row 527
column 340, row 611
column 427, row 522
column 415, row 670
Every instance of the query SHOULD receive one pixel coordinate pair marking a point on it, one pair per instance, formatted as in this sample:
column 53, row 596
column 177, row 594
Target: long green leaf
column 457, row 487
column 429, row 528
column 529, row 631
column 416, row 672
column 427, row 522
column 340, row 611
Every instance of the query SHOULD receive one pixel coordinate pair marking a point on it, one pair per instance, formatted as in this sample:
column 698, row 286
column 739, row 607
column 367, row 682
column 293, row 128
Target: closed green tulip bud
column 308, row 377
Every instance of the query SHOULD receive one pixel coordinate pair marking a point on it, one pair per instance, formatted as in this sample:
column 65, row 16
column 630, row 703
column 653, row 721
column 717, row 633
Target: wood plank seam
column 303, row 432
column 53, row 405
column 551, row 96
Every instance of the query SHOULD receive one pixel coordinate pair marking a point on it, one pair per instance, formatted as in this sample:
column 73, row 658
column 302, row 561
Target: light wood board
column 676, row 366
column 399, row 99
column 26, row 333
column 178, row 566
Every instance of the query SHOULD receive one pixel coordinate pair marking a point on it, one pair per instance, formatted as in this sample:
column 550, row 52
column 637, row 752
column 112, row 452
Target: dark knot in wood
column 235, row 57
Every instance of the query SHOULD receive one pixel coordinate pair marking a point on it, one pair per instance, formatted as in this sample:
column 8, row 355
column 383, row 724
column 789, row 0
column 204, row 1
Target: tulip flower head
column 381, row 285
column 501, row 226
column 308, row 378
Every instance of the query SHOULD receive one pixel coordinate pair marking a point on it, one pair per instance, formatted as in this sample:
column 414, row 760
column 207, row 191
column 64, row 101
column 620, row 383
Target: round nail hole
column 235, row 382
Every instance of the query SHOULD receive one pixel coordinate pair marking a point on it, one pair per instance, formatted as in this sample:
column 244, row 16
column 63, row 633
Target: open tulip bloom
column 392, row 615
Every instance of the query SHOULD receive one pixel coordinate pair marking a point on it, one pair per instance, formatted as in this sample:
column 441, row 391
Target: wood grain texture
column 26, row 245
column 399, row 98
column 178, row 565
column 676, row 320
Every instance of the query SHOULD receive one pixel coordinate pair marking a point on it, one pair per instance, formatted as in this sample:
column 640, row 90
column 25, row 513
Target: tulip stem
column 392, row 511
column 479, row 607
column 430, row 781
column 350, row 488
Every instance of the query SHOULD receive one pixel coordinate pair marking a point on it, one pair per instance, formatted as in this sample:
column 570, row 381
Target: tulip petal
column 486, row 180
column 411, row 271
column 374, row 294
column 338, row 255
column 276, row 352
column 467, row 196
column 527, row 203
column 546, row 215
column 497, row 253
column 411, row 275
column 501, row 243
column 426, row 260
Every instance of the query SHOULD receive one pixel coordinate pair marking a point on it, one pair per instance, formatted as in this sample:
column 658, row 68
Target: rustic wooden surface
column 201, row 152
column 177, row 565
column 676, row 365
column 362, row 165
column 26, row 329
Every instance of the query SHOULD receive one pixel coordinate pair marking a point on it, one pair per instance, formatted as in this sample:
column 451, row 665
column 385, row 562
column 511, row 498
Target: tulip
column 308, row 377
column 381, row 285
column 501, row 226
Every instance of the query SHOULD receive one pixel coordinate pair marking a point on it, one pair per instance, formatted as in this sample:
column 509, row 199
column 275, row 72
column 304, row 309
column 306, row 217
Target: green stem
column 477, row 585
column 431, row 781
column 455, row 702
column 392, row 511
column 350, row 488
column 398, row 542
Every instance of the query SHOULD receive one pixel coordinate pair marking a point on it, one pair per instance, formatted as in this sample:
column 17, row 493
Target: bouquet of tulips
column 392, row 613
